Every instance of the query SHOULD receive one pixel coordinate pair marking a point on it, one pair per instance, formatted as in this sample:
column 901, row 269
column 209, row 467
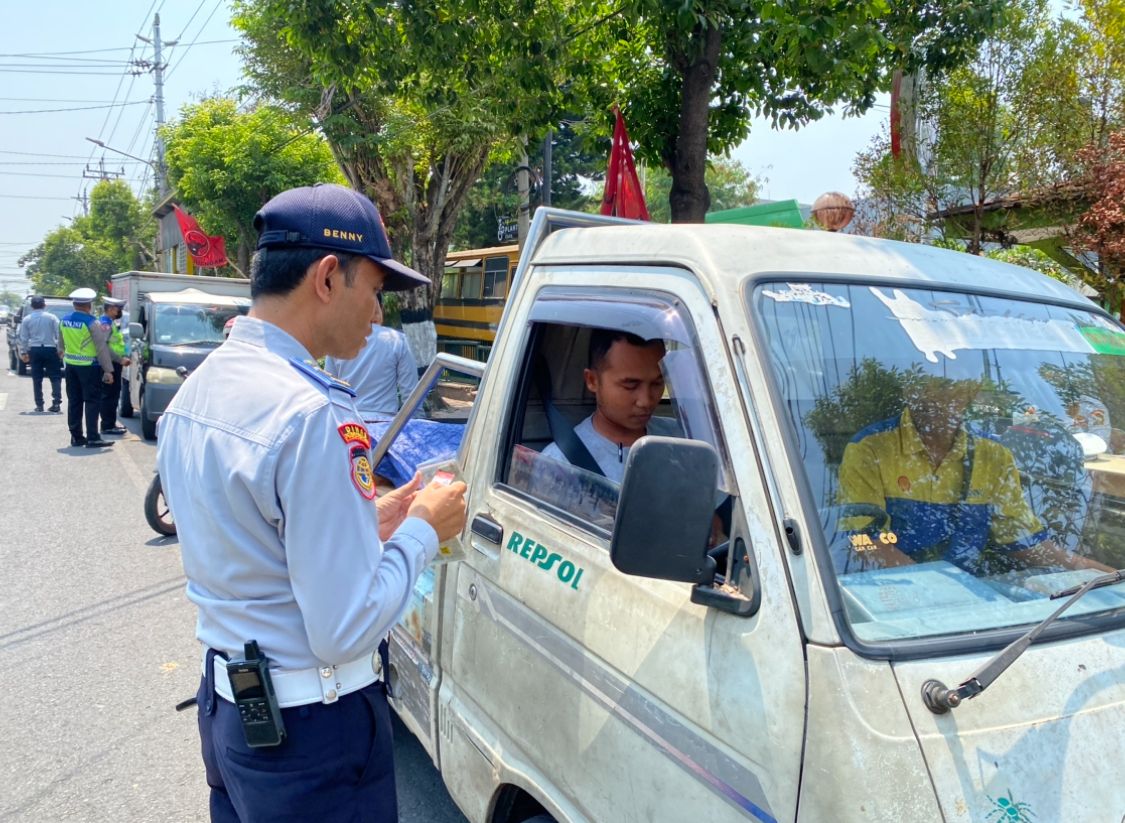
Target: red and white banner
column 206, row 252
column 624, row 196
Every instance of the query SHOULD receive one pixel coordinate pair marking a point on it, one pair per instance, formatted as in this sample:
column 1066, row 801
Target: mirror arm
column 730, row 597
column 725, row 599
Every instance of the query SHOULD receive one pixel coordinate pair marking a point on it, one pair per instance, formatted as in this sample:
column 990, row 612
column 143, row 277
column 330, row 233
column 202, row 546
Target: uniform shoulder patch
column 320, row 375
column 358, row 441
column 355, row 433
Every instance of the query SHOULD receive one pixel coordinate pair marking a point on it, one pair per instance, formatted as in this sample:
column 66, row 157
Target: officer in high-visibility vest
column 118, row 353
column 85, row 354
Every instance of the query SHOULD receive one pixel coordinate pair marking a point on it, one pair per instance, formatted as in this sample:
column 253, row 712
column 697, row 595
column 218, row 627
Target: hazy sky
column 77, row 55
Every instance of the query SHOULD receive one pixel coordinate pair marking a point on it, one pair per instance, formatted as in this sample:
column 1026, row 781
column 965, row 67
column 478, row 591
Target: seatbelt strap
column 569, row 443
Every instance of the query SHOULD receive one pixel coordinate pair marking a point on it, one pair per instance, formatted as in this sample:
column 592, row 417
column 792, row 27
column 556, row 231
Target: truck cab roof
column 195, row 296
column 724, row 256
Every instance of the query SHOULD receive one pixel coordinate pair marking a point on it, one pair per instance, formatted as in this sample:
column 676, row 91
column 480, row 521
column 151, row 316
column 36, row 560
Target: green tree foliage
column 66, row 260
column 693, row 73
column 984, row 119
column 225, row 164
column 119, row 234
column 398, row 134
column 730, row 185
column 690, row 74
column 1027, row 124
column 871, row 392
column 10, row 299
column 577, row 159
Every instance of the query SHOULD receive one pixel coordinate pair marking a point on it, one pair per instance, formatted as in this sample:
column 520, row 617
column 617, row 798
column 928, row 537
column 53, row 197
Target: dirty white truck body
column 541, row 679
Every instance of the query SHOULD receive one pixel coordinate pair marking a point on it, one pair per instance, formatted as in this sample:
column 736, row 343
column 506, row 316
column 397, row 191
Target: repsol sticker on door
column 545, row 559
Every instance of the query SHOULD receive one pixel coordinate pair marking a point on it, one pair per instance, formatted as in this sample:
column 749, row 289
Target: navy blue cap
column 328, row 216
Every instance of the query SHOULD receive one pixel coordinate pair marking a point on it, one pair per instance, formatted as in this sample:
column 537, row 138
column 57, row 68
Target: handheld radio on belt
column 254, row 696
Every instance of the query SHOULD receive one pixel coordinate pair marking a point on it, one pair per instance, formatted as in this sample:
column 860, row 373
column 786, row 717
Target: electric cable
column 77, row 108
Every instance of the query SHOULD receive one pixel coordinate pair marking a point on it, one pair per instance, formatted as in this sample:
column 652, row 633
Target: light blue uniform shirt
column 611, row 457
column 280, row 542
column 383, row 371
column 40, row 329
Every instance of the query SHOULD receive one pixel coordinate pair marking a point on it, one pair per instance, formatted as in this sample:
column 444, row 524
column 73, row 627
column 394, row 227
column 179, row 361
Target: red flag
column 623, row 194
column 207, row 252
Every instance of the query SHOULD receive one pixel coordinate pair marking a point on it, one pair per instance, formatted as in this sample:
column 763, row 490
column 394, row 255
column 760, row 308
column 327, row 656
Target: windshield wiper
column 197, row 343
column 940, row 699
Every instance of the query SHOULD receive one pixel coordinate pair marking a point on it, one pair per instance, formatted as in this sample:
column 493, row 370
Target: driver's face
column 629, row 384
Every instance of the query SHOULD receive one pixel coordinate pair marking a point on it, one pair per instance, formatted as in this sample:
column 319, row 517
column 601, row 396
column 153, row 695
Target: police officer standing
column 39, row 341
column 111, row 394
column 266, row 466
column 88, row 367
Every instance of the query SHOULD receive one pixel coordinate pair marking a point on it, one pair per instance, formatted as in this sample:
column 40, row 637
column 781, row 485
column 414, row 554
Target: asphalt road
column 97, row 639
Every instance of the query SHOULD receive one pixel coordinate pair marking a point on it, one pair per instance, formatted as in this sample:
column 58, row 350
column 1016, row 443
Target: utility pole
column 158, row 67
column 547, row 167
column 85, row 203
column 523, row 185
column 101, row 173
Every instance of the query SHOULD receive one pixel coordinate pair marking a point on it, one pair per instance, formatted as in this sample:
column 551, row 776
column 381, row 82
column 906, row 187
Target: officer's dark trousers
column 83, row 399
column 45, row 362
column 111, row 395
column 335, row 765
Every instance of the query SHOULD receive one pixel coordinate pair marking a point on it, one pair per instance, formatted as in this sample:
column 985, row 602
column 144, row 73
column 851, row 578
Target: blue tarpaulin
column 418, row 442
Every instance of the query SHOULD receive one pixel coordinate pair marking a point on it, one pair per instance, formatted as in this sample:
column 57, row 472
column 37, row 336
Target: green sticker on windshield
column 1104, row 341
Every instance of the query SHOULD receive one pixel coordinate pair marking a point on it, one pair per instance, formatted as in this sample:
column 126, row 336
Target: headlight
column 166, row 377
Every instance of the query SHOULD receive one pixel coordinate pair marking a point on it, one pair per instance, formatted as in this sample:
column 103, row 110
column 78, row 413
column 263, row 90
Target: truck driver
column 624, row 375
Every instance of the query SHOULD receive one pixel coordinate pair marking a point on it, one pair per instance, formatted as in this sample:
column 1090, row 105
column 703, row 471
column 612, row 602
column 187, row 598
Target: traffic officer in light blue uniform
column 266, row 466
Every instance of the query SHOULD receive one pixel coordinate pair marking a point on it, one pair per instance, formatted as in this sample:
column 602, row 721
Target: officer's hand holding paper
column 394, row 507
column 443, row 507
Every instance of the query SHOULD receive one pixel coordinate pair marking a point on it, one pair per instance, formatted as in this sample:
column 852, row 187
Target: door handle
column 487, row 528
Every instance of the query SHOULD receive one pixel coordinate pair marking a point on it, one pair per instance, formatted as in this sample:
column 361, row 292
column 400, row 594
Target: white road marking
column 131, row 469
column 3, row 401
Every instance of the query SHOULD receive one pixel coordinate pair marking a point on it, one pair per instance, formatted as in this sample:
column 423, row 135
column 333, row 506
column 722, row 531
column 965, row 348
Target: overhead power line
column 76, row 108
column 40, row 154
column 61, row 53
column 193, row 42
column 49, row 100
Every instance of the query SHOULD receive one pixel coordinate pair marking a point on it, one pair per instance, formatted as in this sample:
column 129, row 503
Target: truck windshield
column 966, row 453
column 192, row 325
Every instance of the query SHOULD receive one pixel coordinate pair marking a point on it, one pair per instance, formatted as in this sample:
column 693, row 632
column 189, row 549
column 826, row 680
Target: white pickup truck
column 173, row 321
column 798, row 610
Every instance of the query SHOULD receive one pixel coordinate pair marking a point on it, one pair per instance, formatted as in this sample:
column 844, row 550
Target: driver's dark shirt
column 887, row 465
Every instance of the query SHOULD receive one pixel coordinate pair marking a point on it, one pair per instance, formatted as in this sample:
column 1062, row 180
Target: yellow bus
column 473, row 291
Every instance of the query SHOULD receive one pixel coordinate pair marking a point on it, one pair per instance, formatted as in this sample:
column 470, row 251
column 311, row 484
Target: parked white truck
column 833, row 658
column 173, row 322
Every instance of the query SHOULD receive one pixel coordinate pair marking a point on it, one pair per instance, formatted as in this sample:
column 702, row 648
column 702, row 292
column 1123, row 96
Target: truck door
column 611, row 697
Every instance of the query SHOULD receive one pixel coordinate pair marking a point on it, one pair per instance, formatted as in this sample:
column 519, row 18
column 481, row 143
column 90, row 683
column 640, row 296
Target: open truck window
column 554, row 404
column 966, row 452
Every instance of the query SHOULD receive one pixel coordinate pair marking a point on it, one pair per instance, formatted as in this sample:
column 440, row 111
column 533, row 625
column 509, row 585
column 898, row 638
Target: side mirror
column 136, row 331
column 665, row 512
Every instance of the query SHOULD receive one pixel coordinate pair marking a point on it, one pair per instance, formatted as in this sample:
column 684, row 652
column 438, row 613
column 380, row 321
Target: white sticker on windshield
column 939, row 332
column 803, row 293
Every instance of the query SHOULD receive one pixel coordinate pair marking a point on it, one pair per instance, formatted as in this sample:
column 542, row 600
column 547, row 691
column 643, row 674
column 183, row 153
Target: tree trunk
column 416, row 307
column 434, row 203
column 689, row 199
column 244, row 246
